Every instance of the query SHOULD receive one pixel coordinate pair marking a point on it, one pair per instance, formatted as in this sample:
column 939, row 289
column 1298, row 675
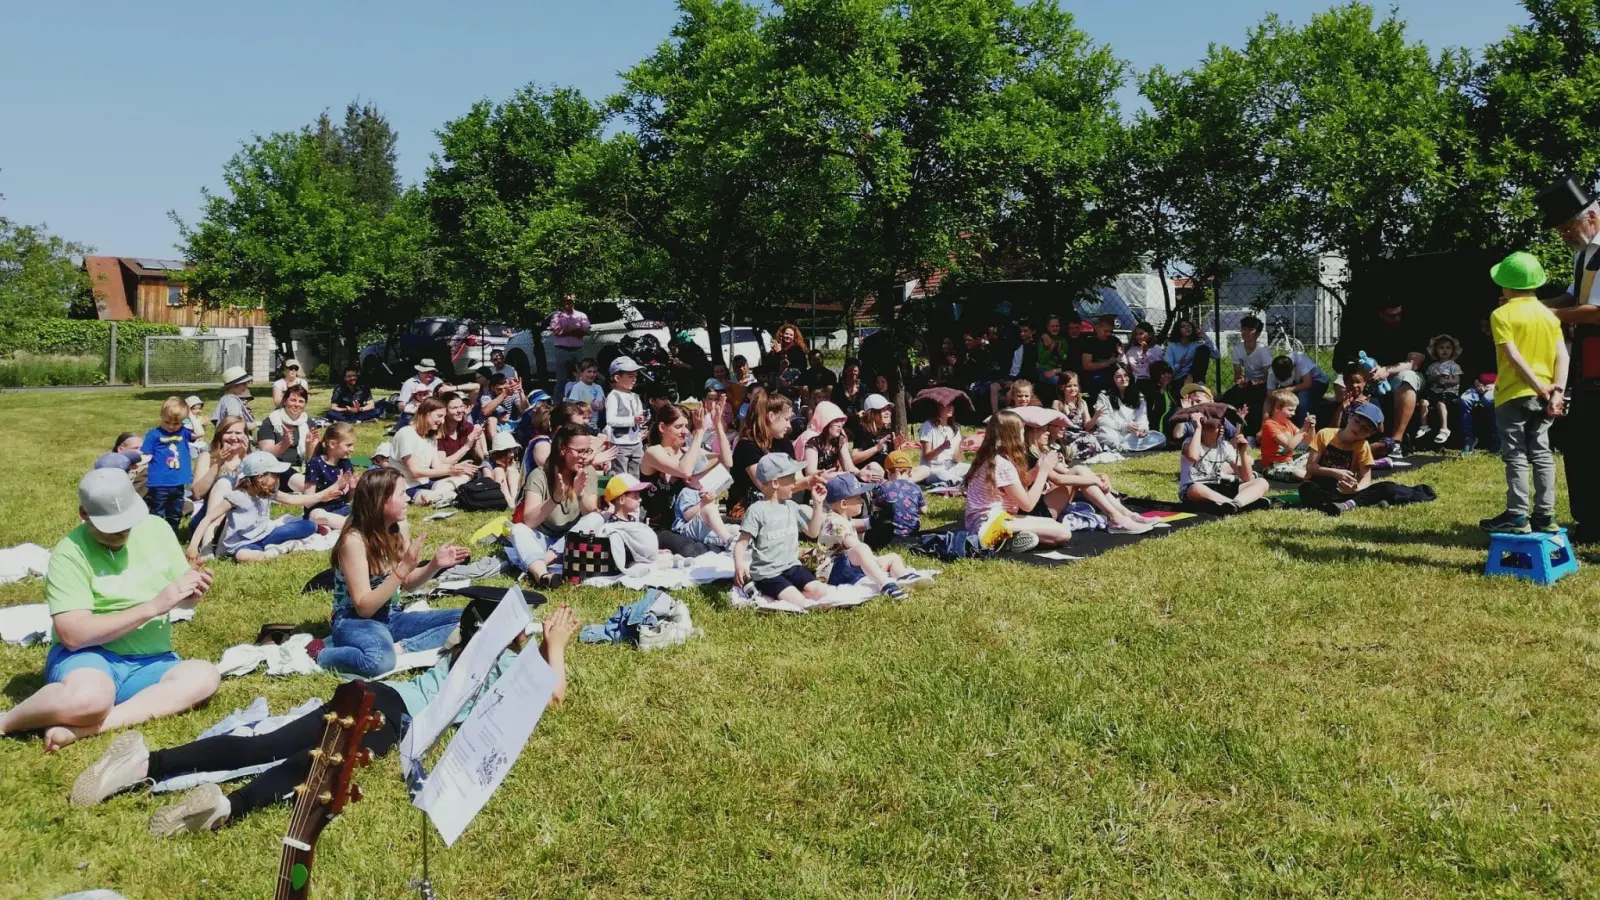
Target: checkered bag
column 586, row 556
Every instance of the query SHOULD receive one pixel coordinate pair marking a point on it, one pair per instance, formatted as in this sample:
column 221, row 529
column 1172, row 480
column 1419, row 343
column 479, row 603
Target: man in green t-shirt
column 111, row 583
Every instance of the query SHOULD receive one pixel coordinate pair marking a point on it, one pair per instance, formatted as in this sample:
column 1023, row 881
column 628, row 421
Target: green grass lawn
column 1285, row 705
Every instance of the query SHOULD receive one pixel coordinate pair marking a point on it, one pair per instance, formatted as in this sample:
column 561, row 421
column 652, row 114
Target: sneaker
column 1333, row 509
column 122, row 767
column 894, row 591
column 1023, row 541
column 1468, row 446
column 1505, row 523
column 203, row 809
column 1442, row 436
column 1545, row 525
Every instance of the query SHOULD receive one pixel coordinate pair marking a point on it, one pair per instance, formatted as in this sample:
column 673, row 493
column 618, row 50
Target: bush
column 319, row 375
column 78, row 337
column 33, row 370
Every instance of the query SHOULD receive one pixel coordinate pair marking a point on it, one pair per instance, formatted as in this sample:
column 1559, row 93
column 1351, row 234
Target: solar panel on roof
column 150, row 263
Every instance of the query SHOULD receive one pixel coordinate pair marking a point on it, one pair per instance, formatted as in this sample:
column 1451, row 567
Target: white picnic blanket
column 703, row 569
column 291, row 658
column 30, row 623
column 837, row 598
column 22, row 561
column 248, row 722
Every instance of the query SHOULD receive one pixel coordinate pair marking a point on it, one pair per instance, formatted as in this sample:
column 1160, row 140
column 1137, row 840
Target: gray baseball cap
column 107, row 497
column 123, row 461
column 261, row 462
column 776, row 465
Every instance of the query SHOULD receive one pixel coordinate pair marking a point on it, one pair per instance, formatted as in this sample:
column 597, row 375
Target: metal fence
column 200, row 359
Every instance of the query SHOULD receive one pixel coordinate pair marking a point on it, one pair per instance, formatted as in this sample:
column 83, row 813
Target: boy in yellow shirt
column 1529, row 392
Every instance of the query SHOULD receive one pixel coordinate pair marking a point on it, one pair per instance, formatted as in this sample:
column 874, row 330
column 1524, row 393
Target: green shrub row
column 29, row 370
column 77, row 337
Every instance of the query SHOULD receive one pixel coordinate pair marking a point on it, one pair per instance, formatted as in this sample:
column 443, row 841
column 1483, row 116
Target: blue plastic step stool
column 1540, row 558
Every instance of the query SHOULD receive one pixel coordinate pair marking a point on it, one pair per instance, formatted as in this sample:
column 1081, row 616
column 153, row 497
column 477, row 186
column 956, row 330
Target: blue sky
column 115, row 113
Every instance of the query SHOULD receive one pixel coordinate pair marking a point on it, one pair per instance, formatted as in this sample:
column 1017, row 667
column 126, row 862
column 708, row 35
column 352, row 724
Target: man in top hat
column 416, row 389
column 1572, row 212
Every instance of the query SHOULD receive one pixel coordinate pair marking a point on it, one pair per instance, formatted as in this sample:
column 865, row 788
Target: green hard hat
column 1520, row 271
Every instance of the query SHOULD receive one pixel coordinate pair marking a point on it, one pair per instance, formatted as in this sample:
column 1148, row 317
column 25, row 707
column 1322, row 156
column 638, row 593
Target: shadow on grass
column 1456, row 535
column 1341, row 555
column 21, row 687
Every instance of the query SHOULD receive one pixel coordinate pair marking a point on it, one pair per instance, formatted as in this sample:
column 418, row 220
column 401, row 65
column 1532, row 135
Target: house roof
column 110, row 293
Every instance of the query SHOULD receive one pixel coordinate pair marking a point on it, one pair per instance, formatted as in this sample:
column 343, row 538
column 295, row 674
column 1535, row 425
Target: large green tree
column 513, row 232
column 312, row 225
column 40, row 275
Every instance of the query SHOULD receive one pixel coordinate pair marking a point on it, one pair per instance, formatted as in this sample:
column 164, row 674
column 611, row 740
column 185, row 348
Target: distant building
column 128, row 287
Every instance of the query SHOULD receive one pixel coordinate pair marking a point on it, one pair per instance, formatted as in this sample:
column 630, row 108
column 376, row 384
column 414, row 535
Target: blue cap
column 844, row 486
column 1371, row 413
column 537, row 397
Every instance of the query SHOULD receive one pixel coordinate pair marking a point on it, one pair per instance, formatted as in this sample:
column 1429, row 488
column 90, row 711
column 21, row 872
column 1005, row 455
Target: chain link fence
column 197, row 360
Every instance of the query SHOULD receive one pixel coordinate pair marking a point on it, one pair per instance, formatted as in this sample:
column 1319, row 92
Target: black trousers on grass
column 1314, row 494
column 292, row 743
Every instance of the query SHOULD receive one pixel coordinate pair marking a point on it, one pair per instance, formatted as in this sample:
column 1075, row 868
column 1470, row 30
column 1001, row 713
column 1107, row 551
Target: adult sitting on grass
column 416, row 457
column 554, row 498
column 229, row 446
column 127, row 763
column 111, row 582
column 374, row 562
column 352, row 400
column 287, row 434
column 291, row 378
column 235, row 399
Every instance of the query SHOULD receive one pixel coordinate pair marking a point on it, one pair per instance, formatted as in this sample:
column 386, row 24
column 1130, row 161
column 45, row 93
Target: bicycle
column 1280, row 338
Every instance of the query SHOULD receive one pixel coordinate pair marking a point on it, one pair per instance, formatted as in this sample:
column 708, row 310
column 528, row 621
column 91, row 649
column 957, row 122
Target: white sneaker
column 202, row 809
column 121, row 767
column 1023, row 541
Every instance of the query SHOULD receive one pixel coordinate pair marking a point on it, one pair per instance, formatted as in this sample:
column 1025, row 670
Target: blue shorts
column 411, row 492
column 796, row 577
column 131, row 674
column 844, row 572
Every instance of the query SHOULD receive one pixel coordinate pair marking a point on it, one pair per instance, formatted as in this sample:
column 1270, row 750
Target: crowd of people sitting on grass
column 758, row 457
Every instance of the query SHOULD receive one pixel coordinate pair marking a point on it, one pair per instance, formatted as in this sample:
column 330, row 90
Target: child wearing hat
column 1443, row 377
column 848, row 559
column 767, row 552
column 250, row 534
column 1529, row 390
column 505, row 466
column 899, row 500
column 1339, row 467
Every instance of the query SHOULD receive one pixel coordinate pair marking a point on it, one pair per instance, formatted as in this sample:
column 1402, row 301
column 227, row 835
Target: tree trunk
column 350, row 352
column 714, row 322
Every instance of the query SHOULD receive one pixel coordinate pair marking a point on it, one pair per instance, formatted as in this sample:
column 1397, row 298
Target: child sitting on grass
column 767, row 552
column 1281, row 439
column 249, row 534
column 329, row 467
column 1444, row 388
column 941, row 444
column 1215, row 475
column 1002, row 491
column 1339, row 469
column 898, row 500
column 1070, row 483
column 695, row 516
column 848, row 558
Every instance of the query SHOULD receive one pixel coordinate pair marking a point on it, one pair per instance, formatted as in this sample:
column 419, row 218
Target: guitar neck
column 294, row 873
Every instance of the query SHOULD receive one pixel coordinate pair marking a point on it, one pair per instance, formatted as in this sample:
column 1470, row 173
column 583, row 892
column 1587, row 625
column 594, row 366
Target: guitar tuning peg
column 355, row 793
column 366, row 757
column 377, row 720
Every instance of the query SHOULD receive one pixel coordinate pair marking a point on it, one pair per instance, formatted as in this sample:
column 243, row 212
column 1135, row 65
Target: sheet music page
column 507, row 621
column 487, row 745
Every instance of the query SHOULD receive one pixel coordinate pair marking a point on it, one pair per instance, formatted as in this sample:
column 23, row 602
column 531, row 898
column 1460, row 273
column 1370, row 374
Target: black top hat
column 1562, row 201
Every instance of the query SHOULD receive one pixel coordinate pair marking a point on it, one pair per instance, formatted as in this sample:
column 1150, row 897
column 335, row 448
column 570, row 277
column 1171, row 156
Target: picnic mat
column 1085, row 544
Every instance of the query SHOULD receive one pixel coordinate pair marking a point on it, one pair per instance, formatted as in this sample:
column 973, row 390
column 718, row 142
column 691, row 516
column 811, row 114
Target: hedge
column 77, row 337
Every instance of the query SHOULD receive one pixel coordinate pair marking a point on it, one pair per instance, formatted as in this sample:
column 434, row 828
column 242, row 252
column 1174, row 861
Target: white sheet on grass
column 703, row 569
column 30, row 623
column 22, row 561
column 837, row 598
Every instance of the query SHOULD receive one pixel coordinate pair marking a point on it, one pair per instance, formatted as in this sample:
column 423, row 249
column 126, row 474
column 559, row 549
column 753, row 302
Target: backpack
column 481, row 493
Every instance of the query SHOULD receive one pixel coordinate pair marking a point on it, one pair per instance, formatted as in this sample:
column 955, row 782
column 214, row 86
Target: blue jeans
column 167, row 502
column 1478, row 425
column 365, row 647
column 297, row 530
column 1309, row 398
column 372, row 414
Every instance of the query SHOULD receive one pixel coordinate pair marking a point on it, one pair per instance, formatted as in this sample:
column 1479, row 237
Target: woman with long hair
column 374, row 562
column 1002, row 489
column 416, row 456
column 1188, row 355
column 554, row 498
column 128, row 763
column 1122, row 417
column 674, row 460
column 788, row 349
column 230, row 444
column 459, row 439
column 765, row 430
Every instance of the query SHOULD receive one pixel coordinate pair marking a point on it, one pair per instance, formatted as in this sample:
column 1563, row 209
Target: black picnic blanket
column 1085, row 544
